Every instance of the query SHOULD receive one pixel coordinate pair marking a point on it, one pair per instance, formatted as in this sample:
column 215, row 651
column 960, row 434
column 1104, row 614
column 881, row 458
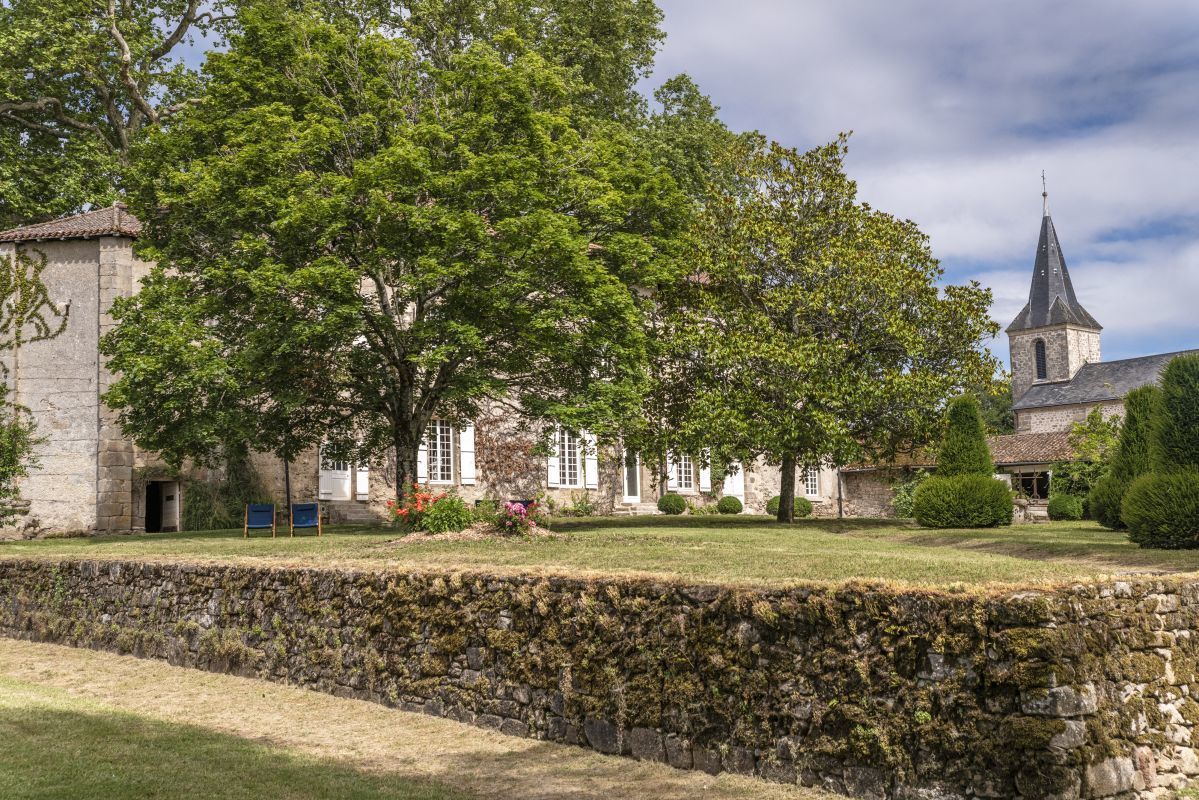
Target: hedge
column 729, row 505
column 962, row 501
column 1161, row 510
column 1064, row 506
column 803, row 506
column 672, row 504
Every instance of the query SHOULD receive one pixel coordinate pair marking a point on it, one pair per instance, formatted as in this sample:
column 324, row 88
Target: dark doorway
column 153, row 507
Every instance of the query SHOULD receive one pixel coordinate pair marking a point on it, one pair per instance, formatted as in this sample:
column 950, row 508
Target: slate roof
column 1051, row 300
column 114, row 220
column 1094, row 383
column 1007, row 451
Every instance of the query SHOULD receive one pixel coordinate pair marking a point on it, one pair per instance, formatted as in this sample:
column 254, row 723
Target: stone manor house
column 91, row 478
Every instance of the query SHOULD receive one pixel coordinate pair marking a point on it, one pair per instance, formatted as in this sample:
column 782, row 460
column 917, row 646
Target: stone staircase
column 634, row 509
column 350, row 512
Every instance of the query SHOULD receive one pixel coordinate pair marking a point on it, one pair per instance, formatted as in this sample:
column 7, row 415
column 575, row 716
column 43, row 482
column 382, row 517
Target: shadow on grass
column 740, row 522
column 50, row 752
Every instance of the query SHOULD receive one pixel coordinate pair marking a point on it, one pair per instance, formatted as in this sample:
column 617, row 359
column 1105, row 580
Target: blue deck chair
column 305, row 515
column 259, row 517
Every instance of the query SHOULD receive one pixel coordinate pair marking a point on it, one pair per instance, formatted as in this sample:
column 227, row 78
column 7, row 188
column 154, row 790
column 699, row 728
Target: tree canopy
column 366, row 238
column 818, row 329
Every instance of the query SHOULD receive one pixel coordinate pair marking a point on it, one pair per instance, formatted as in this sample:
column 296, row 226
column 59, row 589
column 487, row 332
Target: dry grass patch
column 376, row 751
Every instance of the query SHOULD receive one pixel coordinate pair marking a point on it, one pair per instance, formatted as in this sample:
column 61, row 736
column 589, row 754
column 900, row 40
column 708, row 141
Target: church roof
column 115, row 220
column 1051, row 300
column 1095, row 383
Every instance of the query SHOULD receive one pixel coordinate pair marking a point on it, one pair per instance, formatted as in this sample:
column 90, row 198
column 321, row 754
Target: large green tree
column 80, row 84
column 365, row 237
column 820, row 333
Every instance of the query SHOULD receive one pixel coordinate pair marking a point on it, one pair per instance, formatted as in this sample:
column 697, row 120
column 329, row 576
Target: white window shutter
column 422, row 461
column 705, row 479
column 466, row 454
column 672, row 480
column 362, row 482
column 590, row 460
column 552, row 477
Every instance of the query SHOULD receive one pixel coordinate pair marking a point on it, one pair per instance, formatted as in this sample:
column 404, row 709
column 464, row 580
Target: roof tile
column 115, row 220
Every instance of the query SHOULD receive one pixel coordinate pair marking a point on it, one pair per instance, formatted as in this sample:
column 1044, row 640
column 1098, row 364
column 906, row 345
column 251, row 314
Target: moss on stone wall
column 860, row 689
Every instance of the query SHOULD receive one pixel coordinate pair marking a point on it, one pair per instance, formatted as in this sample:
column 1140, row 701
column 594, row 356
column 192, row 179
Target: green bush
column 1161, row 510
column 803, row 506
column 905, row 491
column 964, row 449
column 672, row 504
column 1174, row 443
column 962, row 501
column 1103, row 503
column 1068, row 507
column 729, row 505
column 450, row 514
column 486, row 511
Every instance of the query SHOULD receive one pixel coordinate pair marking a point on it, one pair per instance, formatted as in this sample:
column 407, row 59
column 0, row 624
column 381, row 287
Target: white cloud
column 957, row 107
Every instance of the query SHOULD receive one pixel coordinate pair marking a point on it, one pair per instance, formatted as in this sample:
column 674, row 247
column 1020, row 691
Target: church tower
column 1053, row 336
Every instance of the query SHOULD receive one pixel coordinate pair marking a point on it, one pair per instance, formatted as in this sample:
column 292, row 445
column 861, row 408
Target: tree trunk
column 840, row 495
column 287, row 486
column 406, row 475
column 787, row 492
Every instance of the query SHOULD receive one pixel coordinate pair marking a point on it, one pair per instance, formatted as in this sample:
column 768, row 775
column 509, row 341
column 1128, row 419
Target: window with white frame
column 439, row 443
column 811, row 483
column 570, row 467
column 686, row 468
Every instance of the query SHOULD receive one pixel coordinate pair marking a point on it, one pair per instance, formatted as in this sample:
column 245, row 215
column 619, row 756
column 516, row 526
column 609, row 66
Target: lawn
column 80, row 724
column 736, row 550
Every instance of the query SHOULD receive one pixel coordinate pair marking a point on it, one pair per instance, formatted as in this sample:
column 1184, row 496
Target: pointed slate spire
column 1051, row 300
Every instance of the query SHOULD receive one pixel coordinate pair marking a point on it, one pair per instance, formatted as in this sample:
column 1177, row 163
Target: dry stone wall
column 1087, row 691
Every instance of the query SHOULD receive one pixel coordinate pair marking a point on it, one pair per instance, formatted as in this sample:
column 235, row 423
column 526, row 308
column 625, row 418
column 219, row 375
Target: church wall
column 1058, row 419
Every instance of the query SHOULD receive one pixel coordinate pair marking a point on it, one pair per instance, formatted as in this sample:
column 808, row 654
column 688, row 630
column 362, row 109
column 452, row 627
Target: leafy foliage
column 1129, row 459
column 448, row 515
column 995, row 402
column 818, row 332
column 964, row 449
column 1161, row 510
column 363, row 234
column 905, row 492
column 218, row 504
column 672, row 504
column 519, row 519
column 962, row 501
column 802, row 506
column 18, row 437
column 729, row 505
column 1174, row 443
column 1064, row 506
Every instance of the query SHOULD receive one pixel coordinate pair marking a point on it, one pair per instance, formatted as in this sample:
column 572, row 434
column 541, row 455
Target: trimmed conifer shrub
column 1175, row 429
column 729, row 505
column 962, row 501
column 1161, row 510
column 803, row 506
column 672, row 504
column 1130, row 460
column 964, row 448
column 1064, row 506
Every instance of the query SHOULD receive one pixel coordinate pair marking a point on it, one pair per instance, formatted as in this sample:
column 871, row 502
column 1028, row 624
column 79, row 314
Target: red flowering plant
column 433, row 513
column 519, row 519
column 416, row 504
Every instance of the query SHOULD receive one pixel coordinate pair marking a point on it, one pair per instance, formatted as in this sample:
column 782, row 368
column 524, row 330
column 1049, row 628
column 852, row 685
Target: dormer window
column 1039, row 357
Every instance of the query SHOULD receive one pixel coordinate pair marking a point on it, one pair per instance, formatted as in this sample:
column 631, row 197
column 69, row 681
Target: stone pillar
column 114, row 453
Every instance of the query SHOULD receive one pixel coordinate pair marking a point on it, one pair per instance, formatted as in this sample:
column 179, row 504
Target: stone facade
column 1067, row 349
column 1054, row 419
column 85, row 478
column 1083, row 691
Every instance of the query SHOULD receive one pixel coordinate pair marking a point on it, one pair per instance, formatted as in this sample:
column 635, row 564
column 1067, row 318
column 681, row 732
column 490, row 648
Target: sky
column 957, row 106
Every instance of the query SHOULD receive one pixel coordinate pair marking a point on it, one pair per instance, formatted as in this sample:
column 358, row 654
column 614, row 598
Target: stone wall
column 1081, row 692
column 1067, row 348
column 1056, row 419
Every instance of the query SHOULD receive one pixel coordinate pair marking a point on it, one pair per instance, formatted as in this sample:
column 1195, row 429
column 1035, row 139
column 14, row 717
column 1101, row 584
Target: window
column 1042, row 362
column 439, row 442
column 686, row 473
column 1032, row 485
column 811, row 483
column 570, row 470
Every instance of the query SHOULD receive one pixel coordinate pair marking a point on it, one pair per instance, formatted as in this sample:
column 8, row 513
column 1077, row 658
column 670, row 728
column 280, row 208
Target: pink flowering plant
column 519, row 519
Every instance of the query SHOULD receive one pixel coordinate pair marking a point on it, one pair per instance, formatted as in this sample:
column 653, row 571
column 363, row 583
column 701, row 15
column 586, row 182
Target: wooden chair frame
column 291, row 519
column 245, row 531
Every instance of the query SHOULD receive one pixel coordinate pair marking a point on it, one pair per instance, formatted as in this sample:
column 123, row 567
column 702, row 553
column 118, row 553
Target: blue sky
column 955, row 109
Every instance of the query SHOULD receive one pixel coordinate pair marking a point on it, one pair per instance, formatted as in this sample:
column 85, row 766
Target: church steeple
column 1051, row 300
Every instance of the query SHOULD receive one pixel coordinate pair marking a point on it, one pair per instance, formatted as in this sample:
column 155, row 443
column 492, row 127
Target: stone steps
column 349, row 512
column 634, row 509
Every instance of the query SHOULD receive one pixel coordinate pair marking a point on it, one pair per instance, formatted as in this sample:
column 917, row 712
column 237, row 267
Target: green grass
column 737, row 550
column 56, row 746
